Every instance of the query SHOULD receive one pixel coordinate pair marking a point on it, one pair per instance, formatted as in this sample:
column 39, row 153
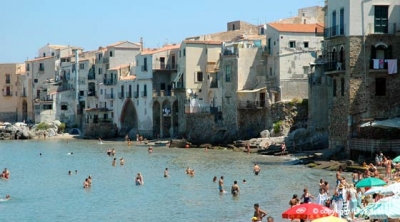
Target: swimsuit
column 220, row 188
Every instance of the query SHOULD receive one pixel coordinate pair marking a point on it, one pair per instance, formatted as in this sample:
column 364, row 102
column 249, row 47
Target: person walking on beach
column 221, row 184
column 248, row 148
column 258, row 213
column 339, row 176
column 235, row 189
column 283, row 148
column 353, row 202
column 306, row 196
column 256, row 169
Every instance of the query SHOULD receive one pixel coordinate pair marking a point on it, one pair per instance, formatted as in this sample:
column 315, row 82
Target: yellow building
column 10, row 75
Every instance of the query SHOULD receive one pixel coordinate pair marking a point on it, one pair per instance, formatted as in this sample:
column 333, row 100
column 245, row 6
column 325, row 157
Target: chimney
column 141, row 44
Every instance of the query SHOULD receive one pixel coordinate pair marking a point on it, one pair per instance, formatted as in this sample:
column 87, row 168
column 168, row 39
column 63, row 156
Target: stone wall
column 294, row 88
column 251, row 122
column 201, row 128
column 8, row 116
column 102, row 130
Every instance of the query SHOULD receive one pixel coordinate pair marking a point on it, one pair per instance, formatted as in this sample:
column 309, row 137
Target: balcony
column 334, row 31
column 157, row 93
column 121, row 95
column 334, row 66
column 164, row 66
column 46, row 98
column 129, row 94
column 143, row 93
column 390, row 28
column 91, row 93
column 251, row 104
column 109, row 82
column 7, row 93
column 196, row 109
column 136, row 94
column 109, row 96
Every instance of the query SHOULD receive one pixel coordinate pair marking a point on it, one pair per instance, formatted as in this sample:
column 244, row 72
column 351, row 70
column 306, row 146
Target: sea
column 42, row 190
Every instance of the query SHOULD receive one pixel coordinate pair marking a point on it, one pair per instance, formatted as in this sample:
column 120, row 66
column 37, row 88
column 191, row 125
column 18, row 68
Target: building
column 361, row 53
column 308, row 15
column 291, row 48
column 12, row 94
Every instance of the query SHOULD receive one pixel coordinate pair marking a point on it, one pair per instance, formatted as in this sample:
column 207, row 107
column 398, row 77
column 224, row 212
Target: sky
column 27, row 25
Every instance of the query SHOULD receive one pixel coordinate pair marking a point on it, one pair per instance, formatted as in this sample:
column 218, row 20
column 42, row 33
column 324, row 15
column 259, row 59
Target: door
column 262, row 99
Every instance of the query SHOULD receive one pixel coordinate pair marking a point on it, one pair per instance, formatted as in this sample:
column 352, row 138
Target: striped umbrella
column 364, row 212
column 386, row 208
column 393, row 188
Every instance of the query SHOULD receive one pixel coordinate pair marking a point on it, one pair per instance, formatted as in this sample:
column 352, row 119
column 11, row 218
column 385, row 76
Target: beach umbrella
column 386, row 208
column 370, row 182
column 373, row 190
column 396, row 160
column 330, row 219
column 393, row 188
column 308, row 211
column 364, row 212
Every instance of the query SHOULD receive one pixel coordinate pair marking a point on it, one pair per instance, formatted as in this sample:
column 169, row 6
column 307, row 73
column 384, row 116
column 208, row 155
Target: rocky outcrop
column 23, row 131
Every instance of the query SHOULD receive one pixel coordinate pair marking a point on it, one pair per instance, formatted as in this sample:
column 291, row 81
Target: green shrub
column 42, row 126
column 61, row 128
column 277, row 126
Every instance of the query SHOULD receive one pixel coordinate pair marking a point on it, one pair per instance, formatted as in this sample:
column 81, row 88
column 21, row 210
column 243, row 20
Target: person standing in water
column 121, row 161
column 258, row 213
column 256, row 169
column 235, row 189
column 221, row 184
column 166, row 172
column 114, row 162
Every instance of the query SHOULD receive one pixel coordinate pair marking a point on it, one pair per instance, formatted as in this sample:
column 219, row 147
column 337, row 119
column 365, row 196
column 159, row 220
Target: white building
column 291, row 49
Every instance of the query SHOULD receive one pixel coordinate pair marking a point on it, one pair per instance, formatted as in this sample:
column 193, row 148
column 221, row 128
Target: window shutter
column 373, row 56
column 388, row 55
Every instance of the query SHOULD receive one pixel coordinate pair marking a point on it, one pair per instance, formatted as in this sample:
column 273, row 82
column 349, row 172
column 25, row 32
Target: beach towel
column 392, row 66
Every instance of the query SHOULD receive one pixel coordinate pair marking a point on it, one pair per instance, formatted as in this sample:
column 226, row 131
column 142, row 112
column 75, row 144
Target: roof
column 164, row 48
column 251, row 90
column 129, row 77
column 119, row 67
column 116, row 44
column 303, row 28
column 62, row 46
column 210, row 42
column 41, row 58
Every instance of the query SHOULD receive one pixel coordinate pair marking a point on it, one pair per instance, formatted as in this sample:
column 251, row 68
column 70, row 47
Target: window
column 306, row 70
column 100, row 70
column 270, row 71
column 162, row 86
column 380, row 86
column 41, row 67
column 262, row 31
column 292, row 44
column 184, row 52
column 305, row 44
column 81, row 93
column 342, row 86
column 27, row 67
column 381, row 18
column 180, row 53
column 341, row 22
column 228, row 73
column 64, row 107
column 81, row 66
column 334, row 88
column 52, row 54
column 378, row 56
column 112, row 114
column 233, row 27
column 111, row 54
column 333, row 29
column 47, row 106
column 35, row 80
column 101, row 91
column 44, row 54
column 199, row 76
column 145, row 90
column 100, row 56
column 8, row 79
column 144, row 67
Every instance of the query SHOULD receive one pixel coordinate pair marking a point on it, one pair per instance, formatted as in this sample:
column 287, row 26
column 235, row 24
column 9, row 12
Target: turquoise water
column 42, row 190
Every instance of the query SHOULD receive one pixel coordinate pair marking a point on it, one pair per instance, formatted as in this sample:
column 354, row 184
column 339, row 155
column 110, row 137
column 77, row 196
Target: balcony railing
column 333, row 31
column 200, row 108
column 109, row 96
column 157, row 93
column 389, row 28
column 44, row 98
column 164, row 66
column 251, row 104
column 129, row 94
column 7, row 93
column 121, row 95
column 334, row 66
column 109, row 82
column 91, row 93
column 41, row 69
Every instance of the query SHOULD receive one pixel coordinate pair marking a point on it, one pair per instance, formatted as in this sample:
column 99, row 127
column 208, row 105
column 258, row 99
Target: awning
column 251, row 90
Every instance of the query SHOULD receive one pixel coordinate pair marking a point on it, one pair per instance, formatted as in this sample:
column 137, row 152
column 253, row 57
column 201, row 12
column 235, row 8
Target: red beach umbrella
column 308, row 211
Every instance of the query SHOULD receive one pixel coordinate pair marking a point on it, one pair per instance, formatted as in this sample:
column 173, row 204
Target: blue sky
column 27, row 25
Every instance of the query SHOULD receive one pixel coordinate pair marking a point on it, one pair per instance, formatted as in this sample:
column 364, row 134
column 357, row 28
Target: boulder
column 51, row 132
column 265, row 134
column 57, row 123
column 349, row 162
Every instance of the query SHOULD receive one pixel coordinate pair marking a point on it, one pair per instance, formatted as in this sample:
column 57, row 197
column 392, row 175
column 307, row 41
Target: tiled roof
column 41, row 58
column 304, row 28
column 116, row 44
column 119, row 67
column 164, row 48
column 203, row 42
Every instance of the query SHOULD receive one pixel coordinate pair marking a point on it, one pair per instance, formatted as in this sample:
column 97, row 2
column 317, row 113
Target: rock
column 208, row 145
column 51, row 132
column 349, row 162
column 265, row 134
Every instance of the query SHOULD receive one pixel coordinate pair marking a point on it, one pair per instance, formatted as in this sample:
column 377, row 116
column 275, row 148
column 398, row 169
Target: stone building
column 362, row 43
column 12, row 94
column 291, row 48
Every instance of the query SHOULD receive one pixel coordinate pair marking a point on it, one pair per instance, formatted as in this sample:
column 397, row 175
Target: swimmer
column 215, row 179
column 256, row 169
column 109, row 152
column 114, row 162
column 89, row 179
column 244, row 181
column 166, row 172
column 70, row 153
column 69, row 172
column 5, row 174
column 8, row 197
column 235, row 189
column 150, row 149
column 113, row 152
column 86, row 183
column 76, row 171
column 121, row 161
column 40, row 154
column 221, row 184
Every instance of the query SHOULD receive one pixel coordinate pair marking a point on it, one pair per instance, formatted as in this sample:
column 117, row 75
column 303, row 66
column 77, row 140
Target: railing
column 121, row 95
column 333, row 31
column 389, row 28
column 144, row 68
column 157, row 93
column 164, row 66
column 129, row 94
column 109, row 82
column 7, row 93
column 200, row 108
column 381, row 64
column 91, row 93
column 109, row 96
column 91, row 76
column 334, row 66
column 136, row 94
column 250, row 104
column 44, row 98
column 8, row 81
